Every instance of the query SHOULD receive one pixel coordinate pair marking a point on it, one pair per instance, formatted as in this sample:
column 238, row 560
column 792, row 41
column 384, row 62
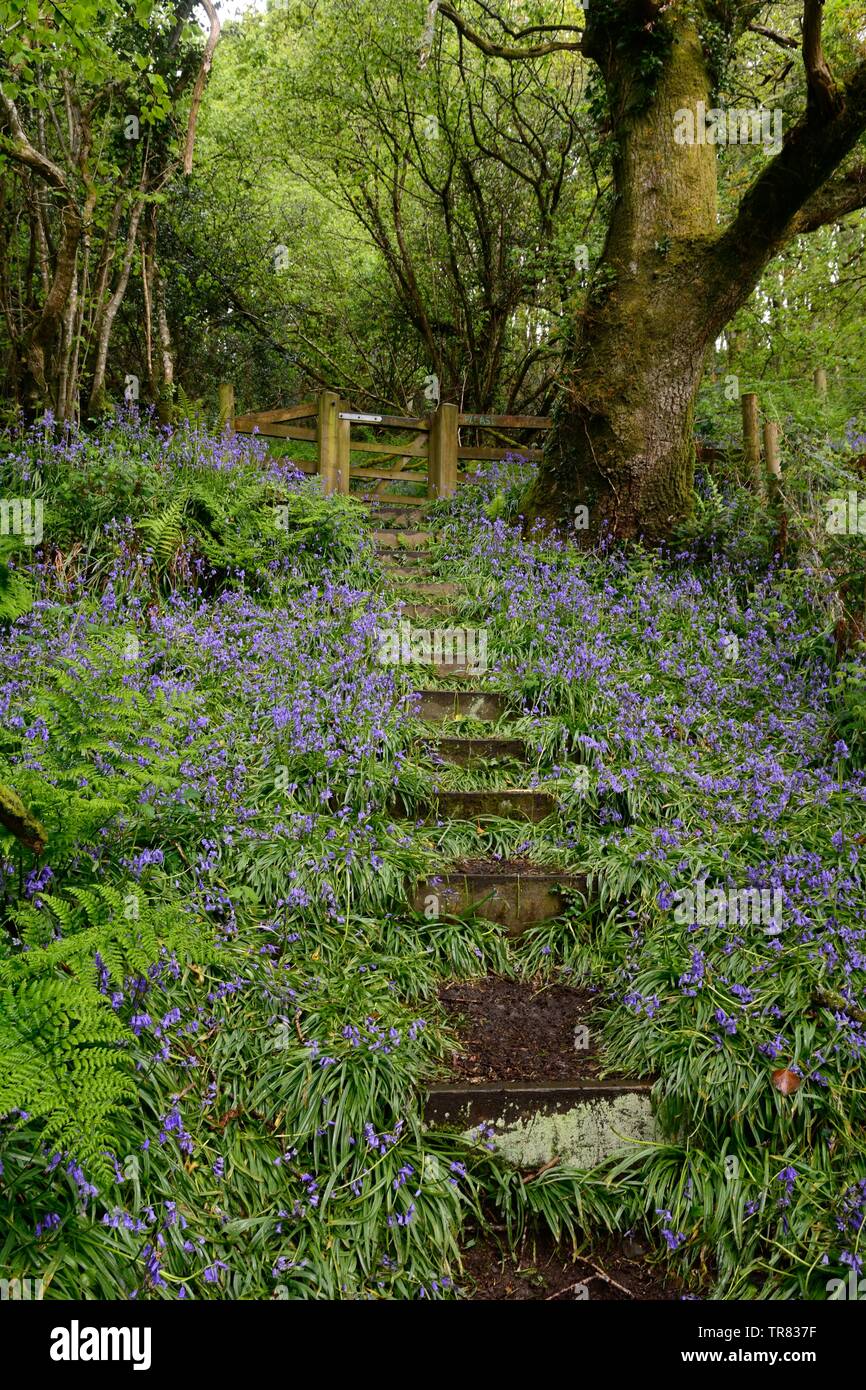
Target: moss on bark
column 16, row 818
column 622, row 438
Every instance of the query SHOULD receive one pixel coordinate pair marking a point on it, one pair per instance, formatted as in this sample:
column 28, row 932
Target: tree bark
column 621, row 445
column 108, row 312
column 669, row 280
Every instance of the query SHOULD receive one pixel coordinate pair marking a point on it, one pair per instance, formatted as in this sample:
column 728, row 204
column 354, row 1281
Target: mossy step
column 459, row 1103
column 400, row 539
column 437, row 613
column 389, row 559
column 514, row 900
column 535, row 1123
column 401, row 573
column 512, row 803
column 432, row 589
column 398, row 513
column 435, row 706
column 469, row 752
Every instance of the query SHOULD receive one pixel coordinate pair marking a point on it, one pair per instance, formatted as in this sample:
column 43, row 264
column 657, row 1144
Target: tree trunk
column 669, row 280
column 40, row 338
column 622, row 442
column 166, row 354
column 108, row 312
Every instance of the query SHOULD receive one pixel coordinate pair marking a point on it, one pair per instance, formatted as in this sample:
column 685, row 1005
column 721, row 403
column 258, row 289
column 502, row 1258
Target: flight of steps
column 582, row 1121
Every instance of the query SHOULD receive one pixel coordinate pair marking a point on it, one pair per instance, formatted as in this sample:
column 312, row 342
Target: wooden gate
column 430, row 456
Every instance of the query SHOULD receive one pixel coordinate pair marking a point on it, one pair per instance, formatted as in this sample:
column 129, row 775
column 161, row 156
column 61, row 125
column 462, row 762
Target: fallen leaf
column 786, row 1081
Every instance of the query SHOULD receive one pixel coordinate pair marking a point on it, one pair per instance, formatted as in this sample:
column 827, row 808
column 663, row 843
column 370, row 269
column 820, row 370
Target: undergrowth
column 218, row 1016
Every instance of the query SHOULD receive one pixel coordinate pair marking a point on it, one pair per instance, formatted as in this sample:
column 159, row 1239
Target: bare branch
column 520, row 34
column 781, row 39
column 498, row 50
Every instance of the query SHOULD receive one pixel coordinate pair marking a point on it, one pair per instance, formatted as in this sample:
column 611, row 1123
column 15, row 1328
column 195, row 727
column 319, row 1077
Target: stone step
column 399, row 540
column 469, row 752
column 533, row 1123
column 435, row 706
column 512, row 803
column 514, row 900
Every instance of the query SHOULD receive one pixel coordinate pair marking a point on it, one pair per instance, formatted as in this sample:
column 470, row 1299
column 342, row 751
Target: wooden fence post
column 327, row 440
column 344, row 452
column 442, row 453
column 226, row 405
column 751, row 436
column 771, row 454
column 821, row 382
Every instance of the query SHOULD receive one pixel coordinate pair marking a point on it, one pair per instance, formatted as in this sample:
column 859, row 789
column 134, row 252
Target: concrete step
column 512, row 803
column 472, row 752
column 514, row 900
column 402, row 539
column 435, row 706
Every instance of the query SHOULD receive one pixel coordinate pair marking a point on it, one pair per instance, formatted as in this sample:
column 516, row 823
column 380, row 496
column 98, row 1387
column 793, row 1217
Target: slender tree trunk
column 65, row 383
column 105, row 320
column 41, row 337
column 166, row 354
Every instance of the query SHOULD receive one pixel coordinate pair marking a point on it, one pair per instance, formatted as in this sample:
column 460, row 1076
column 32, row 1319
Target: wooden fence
column 431, row 455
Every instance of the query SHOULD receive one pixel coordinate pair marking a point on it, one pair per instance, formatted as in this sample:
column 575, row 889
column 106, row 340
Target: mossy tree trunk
column 670, row 278
column 622, row 440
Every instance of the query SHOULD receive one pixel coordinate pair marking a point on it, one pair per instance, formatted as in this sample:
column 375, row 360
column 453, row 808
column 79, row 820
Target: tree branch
column 835, row 200
column 788, row 189
column 22, row 150
column 498, row 50
column 198, row 90
column 781, row 39
column 824, row 96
